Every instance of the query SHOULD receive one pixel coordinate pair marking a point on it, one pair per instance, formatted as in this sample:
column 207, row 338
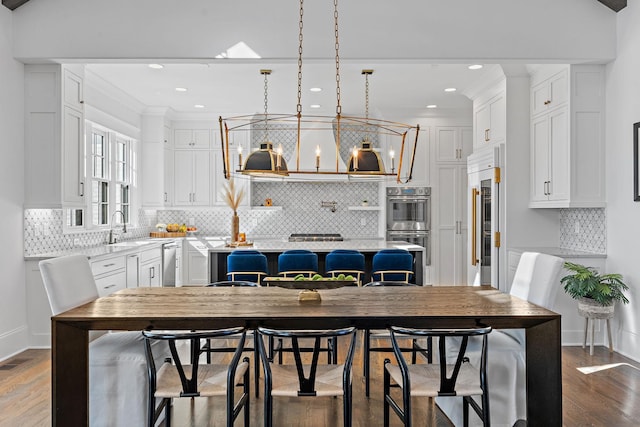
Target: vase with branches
column 233, row 197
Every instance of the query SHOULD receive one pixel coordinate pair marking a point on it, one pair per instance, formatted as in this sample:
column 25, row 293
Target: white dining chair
column 118, row 384
column 536, row 280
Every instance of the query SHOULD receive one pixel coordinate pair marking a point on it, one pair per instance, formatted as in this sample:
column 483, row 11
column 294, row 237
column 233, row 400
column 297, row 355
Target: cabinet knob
column 547, row 102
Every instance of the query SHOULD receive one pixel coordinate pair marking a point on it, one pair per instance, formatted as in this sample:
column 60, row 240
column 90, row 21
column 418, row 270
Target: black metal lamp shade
column 368, row 160
column 265, row 162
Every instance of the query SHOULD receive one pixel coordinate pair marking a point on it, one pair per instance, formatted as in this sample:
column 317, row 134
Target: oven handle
column 409, row 233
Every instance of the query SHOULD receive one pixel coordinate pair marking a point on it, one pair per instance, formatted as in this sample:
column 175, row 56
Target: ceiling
column 396, row 90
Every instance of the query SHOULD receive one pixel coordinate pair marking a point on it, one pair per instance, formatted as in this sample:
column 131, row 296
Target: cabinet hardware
column 497, row 177
column 109, row 265
column 81, row 102
column 165, row 196
column 152, row 272
column 486, row 135
column 109, row 286
column 474, row 207
column 547, row 102
column 81, row 189
column 496, row 238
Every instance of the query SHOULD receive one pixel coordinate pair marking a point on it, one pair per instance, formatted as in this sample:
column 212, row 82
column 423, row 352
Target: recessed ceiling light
column 315, row 105
column 475, row 66
column 198, row 106
column 181, row 89
column 432, row 106
column 450, row 89
column 156, row 66
column 315, row 89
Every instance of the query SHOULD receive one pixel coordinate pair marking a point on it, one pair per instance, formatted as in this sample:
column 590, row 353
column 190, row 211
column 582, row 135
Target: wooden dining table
column 372, row 307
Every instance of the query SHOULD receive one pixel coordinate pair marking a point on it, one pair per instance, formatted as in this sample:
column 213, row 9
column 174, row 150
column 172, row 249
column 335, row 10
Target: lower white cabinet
column 110, row 274
column 197, row 263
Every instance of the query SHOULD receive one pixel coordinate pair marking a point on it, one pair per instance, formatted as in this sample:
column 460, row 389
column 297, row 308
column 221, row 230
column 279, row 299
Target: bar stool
column 247, row 265
column 394, row 265
column 345, row 261
column 297, row 261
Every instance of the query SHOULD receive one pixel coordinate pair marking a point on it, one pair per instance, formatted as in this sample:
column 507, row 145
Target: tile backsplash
column 297, row 211
column 583, row 229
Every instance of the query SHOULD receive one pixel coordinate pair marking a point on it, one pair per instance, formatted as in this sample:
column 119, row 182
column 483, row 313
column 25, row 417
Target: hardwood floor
column 605, row 398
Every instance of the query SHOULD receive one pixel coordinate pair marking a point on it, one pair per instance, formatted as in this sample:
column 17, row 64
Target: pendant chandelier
column 360, row 161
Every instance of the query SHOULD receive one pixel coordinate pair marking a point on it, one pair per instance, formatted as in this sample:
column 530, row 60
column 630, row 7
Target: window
column 112, row 169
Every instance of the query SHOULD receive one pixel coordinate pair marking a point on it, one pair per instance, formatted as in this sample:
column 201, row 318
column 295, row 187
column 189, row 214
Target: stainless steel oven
column 409, row 216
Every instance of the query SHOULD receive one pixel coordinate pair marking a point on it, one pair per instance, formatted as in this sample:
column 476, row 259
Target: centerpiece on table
column 233, row 197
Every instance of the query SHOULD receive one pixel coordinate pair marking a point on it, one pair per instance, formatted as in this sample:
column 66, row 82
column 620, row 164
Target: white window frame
column 112, row 139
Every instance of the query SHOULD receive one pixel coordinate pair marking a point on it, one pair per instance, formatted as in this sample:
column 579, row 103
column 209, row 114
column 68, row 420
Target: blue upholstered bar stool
column 394, row 265
column 345, row 261
column 297, row 261
column 247, row 265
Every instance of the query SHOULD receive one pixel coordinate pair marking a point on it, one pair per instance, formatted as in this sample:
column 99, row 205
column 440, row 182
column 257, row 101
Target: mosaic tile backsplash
column 297, row 211
column 584, row 229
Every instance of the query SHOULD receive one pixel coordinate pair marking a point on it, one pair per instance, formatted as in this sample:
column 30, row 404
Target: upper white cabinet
column 550, row 93
column 192, row 177
column 490, row 121
column 453, row 144
column 192, row 138
column 567, row 137
column 54, row 136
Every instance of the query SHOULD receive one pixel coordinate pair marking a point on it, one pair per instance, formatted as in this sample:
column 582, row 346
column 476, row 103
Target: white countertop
column 102, row 250
column 284, row 245
column 559, row 252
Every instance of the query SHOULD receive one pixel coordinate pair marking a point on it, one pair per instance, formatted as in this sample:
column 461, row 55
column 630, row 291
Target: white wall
column 13, row 309
column 623, row 214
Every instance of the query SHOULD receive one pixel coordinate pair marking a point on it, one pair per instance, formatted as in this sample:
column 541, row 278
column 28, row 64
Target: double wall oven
column 409, row 216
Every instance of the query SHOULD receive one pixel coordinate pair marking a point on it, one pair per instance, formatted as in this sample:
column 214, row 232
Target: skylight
column 238, row 50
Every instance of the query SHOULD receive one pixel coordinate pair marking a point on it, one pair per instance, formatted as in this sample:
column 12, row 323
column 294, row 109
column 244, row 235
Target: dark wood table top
column 374, row 307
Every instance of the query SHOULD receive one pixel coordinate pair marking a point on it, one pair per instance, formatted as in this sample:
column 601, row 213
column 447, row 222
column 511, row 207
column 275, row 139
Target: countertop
column 284, row 245
column 103, row 250
column 559, row 252
column 217, row 244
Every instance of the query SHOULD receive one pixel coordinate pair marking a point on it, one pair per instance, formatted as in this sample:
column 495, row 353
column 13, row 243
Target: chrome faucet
column 112, row 238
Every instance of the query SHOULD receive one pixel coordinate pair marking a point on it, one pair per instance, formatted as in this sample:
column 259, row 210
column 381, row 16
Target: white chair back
column 68, row 281
column 536, row 278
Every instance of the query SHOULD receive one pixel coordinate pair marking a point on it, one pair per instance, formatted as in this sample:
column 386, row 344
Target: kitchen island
column 273, row 248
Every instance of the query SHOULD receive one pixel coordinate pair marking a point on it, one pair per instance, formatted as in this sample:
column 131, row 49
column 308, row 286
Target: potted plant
column 596, row 293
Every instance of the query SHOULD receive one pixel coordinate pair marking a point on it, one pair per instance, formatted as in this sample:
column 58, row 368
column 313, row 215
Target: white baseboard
column 14, row 342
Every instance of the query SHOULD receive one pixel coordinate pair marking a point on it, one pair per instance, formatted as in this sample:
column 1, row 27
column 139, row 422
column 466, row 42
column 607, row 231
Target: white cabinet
column 450, row 228
column 567, row 137
column 110, row 274
column 490, row 121
column 192, row 177
column 550, row 156
column 549, row 93
column 196, row 265
column 150, row 267
column 192, row 138
column 168, row 177
column 54, row 136
column 453, row 144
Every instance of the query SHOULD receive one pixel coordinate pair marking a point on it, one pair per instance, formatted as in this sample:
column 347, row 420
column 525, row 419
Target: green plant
column 586, row 282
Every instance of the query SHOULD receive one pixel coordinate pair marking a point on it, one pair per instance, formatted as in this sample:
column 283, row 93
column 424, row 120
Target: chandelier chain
column 266, row 104
column 366, row 102
column 300, row 27
column 335, row 19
